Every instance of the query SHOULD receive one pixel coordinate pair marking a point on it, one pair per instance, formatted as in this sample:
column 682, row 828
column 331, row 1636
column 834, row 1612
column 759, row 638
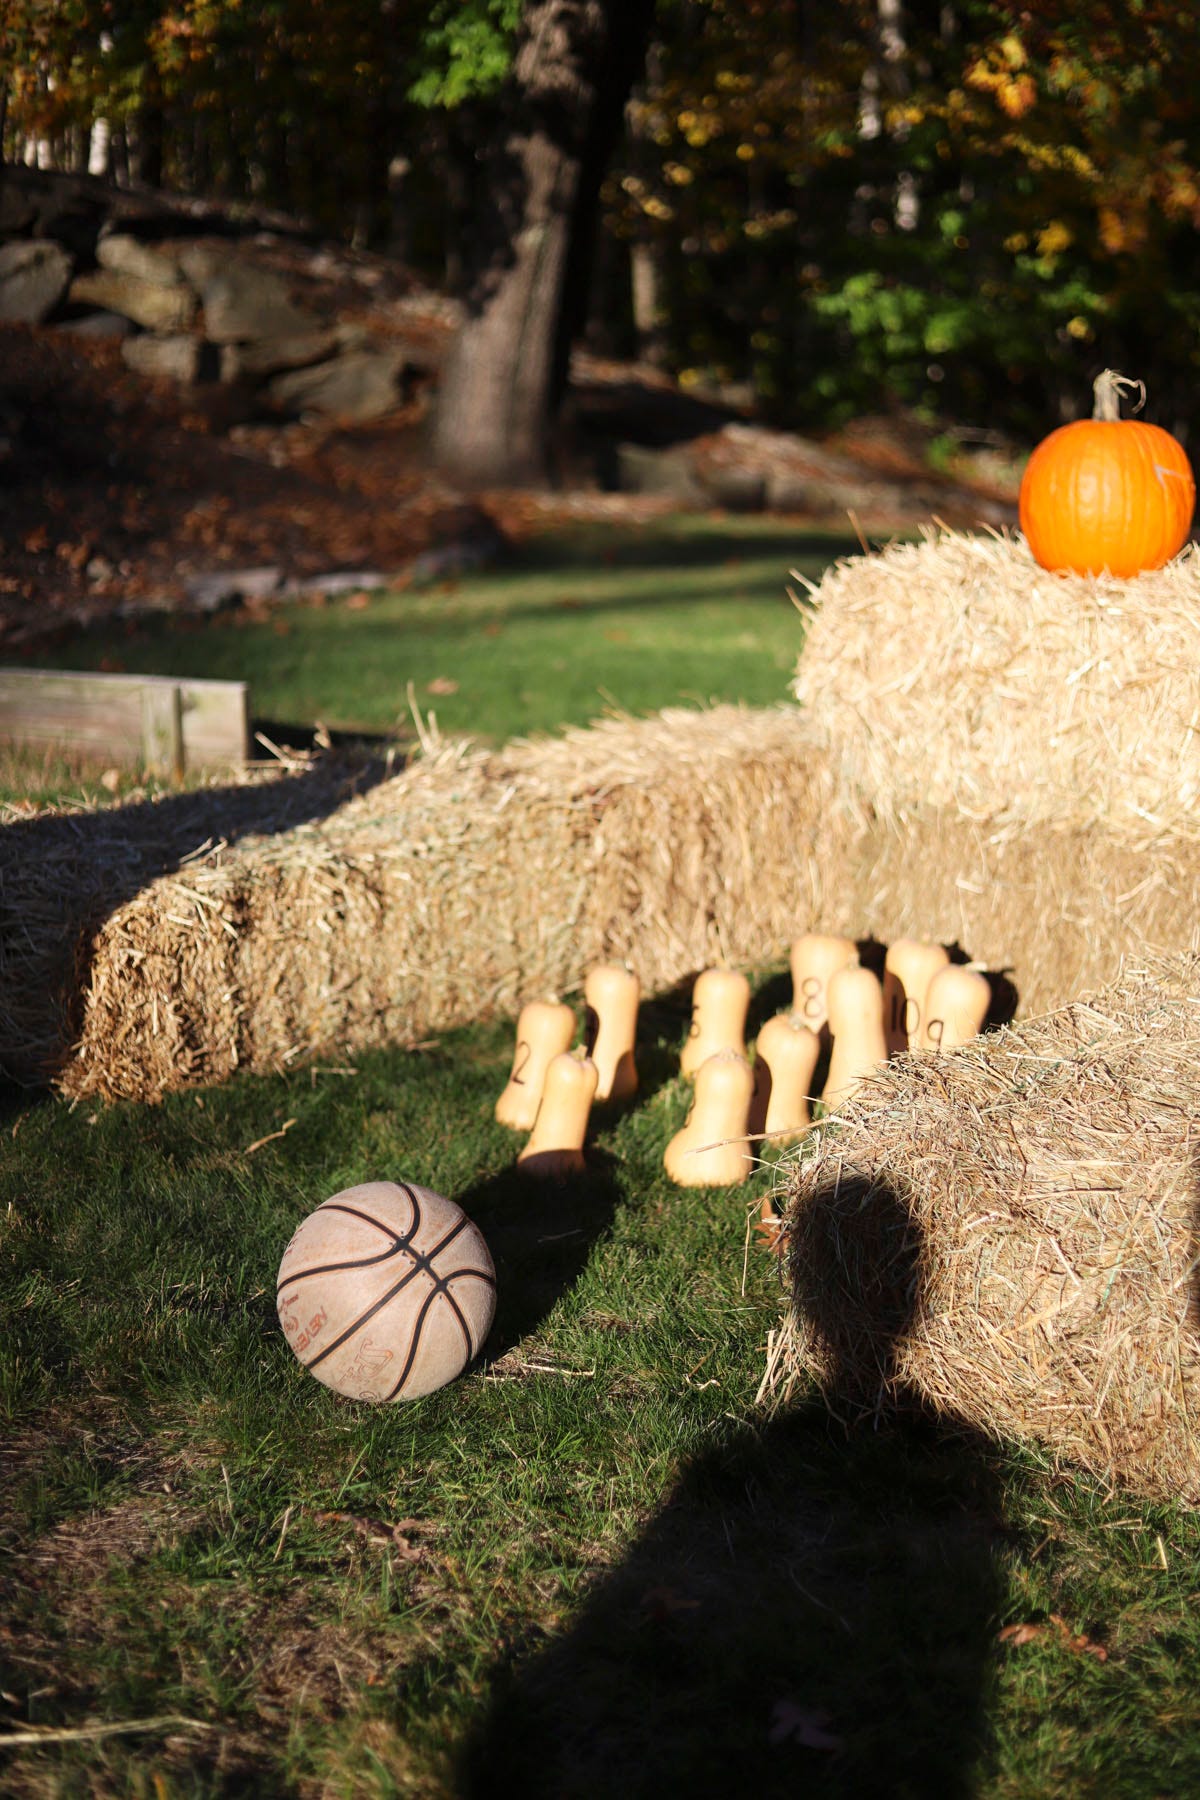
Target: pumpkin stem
column 1107, row 390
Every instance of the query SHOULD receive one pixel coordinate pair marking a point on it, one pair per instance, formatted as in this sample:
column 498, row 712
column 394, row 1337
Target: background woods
column 964, row 209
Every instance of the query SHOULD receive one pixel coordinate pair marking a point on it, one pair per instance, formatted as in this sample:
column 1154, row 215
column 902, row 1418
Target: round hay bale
column 956, row 673
column 1009, row 1234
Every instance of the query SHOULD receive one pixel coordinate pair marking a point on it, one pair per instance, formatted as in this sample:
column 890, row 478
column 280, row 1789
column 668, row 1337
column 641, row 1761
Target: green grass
column 617, row 1575
column 576, row 624
column 593, row 1566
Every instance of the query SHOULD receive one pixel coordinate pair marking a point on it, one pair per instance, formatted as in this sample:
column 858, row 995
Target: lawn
column 594, row 1566
column 574, row 624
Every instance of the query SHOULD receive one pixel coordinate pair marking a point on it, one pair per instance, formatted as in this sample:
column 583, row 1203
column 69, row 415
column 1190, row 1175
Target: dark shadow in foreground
column 540, row 1233
column 813, row 1610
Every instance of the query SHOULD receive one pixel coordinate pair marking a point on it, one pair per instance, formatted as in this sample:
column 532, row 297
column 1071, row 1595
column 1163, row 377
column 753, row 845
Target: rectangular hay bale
column 149, row 947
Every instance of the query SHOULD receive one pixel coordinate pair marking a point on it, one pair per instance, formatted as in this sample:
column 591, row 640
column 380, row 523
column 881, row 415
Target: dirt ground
column 116, row 490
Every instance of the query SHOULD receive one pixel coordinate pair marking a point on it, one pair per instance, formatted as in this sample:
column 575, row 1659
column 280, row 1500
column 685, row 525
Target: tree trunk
column 575, row 63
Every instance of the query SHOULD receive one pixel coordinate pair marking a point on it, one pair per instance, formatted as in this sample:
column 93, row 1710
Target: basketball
column 386, row 1291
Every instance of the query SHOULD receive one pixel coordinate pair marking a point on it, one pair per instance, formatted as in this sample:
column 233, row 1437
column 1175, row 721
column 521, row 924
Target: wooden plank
column 216, row 724
column 162, row 729
column 127, row 719
column 91, row 715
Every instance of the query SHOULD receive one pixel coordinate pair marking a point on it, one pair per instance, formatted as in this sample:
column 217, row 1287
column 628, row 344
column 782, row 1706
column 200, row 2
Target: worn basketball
column 386, row 1291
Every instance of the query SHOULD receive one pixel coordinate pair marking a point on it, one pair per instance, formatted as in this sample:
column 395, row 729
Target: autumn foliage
column 967, row 209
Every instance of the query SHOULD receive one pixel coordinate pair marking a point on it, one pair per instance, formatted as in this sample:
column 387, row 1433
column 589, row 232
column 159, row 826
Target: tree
column 562, row 108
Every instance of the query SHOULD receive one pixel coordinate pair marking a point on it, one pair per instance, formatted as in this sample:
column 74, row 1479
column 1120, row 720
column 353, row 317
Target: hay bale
column 151, row 947
column 1009, row 1233
column 956, row 673
column 1055, row 907
column 460, row 888
column 63, row 873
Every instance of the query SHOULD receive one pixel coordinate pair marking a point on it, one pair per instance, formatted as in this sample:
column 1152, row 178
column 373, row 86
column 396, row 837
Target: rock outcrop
column 195, row 302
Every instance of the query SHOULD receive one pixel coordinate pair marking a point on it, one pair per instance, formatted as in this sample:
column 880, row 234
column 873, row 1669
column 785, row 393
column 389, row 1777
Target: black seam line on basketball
column 414, row 1344
column 362, row 1318
column 366, row 1262
column 424, row 1263
column 419, row 1327
column 456, row 1309
column 444, row 1289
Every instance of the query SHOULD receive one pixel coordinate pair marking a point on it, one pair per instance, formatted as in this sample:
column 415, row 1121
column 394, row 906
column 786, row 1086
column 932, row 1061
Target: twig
column 270, row 1137
column 114, row 1728
column 858, row 530
column 287, row 1519
column 282, row 756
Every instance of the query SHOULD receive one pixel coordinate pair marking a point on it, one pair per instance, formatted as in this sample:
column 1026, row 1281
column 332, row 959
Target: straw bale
column 63, row 872
column 1009, row 1234
column 956, row 673
column 460, row 888
column 151, row 947
column 1054, row 907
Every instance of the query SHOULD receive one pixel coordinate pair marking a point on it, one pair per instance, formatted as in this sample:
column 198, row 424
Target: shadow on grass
column 812, row 1611
column 666, row 544
column 540, row 1233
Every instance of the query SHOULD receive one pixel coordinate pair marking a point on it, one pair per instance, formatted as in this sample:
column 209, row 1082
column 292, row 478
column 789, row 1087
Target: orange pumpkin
column 1106, row 492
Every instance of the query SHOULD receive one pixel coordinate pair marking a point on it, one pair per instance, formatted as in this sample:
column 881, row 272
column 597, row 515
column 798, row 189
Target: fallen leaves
column 1057, row 1629
column 768, row 1228
column 442, row 684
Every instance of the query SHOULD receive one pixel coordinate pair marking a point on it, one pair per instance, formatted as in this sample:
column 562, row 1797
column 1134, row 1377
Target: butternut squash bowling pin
column 545, row 1029
column 856, row 1025
column 956, row 1006
column 785, row 1057
column 555, row 1147
column 720, row 1002
column 702, row 1154
column 814, row 958
column 612, row 994
column 908, row 969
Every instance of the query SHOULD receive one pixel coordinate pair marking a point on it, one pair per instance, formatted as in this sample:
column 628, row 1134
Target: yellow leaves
column 1053, row 238
column 1181, row 195
column 1017, row 97
column 1079, row 328
column 1061, row 158
column 1123, row 231
column 998, row 72
column 745, row 152
column 678, row 174
column 698, row 131
column 649, row 203
column 765, row 224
